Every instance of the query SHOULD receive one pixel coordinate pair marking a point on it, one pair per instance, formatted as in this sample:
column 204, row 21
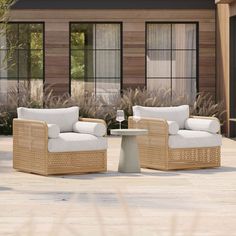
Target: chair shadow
column 110, row 174
column 210, row 171
column 155, row 173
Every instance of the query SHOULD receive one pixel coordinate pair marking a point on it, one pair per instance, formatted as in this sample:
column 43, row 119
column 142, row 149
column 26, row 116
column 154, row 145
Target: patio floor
column 190, row 203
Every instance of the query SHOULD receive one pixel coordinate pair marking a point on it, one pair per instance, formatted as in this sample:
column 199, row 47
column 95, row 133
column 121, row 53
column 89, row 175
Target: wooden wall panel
column 57, row 40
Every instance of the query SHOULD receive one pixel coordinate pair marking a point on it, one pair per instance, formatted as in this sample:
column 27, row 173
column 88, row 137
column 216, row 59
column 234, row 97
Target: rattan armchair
column 155, row 152
column 30, row 152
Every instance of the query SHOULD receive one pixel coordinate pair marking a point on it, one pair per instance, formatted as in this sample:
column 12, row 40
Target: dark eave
column 114, row 4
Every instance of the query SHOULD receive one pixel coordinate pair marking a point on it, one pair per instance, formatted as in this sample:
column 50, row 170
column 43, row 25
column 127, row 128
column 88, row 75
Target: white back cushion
column 63, row 117
column 179, row 114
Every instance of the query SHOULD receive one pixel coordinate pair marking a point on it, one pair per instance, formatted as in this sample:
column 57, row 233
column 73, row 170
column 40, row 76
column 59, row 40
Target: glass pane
column 184, row 64
column 82, row 63
column 163, row 89
column 24, row 36
column 184, row 36
column 78, row 86
column 36, row 63
column 184, row 91
column 36, row 36
column 107, row 36
column 107, row 85
column 107, row 64
column 159, row 64
column 82, row 36
column 3, row 89
column 36, row 89
column 24, row 63
column 12, row 35
column 159, row 36
column 9, row 63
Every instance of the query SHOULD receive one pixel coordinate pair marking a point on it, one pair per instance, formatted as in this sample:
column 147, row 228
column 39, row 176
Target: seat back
column 179, row 114
column 63, row 117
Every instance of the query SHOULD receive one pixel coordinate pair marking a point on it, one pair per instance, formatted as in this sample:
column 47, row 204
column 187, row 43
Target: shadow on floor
column 144, row 173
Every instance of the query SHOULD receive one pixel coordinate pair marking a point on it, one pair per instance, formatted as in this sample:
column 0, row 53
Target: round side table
column 129, row 154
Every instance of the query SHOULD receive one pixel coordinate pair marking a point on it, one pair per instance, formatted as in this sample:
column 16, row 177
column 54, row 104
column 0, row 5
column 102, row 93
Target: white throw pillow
column 198, row 124
column 173, row 127
column 53, row 131
column 179, row 114
column 63, row 117
column 96, row 129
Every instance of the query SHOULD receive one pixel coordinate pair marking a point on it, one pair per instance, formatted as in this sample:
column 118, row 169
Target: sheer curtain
column 107, row 58
column 184, row 61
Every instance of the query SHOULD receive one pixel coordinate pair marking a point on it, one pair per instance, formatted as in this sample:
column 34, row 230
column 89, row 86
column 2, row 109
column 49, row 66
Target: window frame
column 171, row 50
column 120, row 50
column 43, row 49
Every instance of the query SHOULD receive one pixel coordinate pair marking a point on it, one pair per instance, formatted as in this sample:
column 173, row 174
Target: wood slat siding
column 57, row 41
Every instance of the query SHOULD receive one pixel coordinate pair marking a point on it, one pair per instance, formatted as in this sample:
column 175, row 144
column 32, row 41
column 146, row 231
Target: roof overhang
column 114, row 4
column 224, row 1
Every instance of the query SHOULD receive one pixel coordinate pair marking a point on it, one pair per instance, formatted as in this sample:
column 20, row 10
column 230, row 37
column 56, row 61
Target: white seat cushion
column 75, row 142
column 63, row 117
column 198, row 124
column 96, row 129
column 194, row 139
column 53, row 131
column 179, row 114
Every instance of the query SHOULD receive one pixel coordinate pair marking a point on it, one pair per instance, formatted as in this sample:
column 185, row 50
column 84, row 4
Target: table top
column 129, row 132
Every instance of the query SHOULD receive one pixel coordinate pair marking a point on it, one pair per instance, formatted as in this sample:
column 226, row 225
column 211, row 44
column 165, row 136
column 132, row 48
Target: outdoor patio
column 198, row 202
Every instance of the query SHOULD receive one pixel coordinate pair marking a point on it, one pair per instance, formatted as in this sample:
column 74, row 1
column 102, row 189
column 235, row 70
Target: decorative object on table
column 53, row 141
column 175, row 140
column 120, row 116
column 129, row 154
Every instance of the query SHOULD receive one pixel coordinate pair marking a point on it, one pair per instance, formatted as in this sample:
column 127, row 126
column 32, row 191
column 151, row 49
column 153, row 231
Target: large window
column 171, row 59
column 21, row 59
column 95, row 58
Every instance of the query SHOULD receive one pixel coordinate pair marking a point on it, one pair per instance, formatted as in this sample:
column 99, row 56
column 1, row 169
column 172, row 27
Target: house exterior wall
column 133, row 21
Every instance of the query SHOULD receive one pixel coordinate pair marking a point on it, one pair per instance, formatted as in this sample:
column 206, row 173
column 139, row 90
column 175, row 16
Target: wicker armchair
column 156, row 153
column 31, row 153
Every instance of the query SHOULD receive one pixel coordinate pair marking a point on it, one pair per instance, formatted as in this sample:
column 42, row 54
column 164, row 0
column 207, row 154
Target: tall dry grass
column 103, row 108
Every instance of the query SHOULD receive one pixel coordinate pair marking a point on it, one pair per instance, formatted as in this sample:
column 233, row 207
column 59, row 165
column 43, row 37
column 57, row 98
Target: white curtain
column 107, row 58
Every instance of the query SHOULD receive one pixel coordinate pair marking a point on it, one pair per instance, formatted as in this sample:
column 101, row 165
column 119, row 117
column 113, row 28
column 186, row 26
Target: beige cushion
column 63, row 117
column 96, row 129
column 53, row 131
column 194, row 139
column 212, row 126
column 173, row 127
column 75, row 142
column 179, row 114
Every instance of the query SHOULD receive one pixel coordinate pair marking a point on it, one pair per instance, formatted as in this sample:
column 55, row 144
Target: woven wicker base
column 179, row 159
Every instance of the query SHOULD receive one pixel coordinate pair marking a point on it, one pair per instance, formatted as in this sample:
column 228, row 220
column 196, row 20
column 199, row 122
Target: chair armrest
column 30, row 136
column 156, row 127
